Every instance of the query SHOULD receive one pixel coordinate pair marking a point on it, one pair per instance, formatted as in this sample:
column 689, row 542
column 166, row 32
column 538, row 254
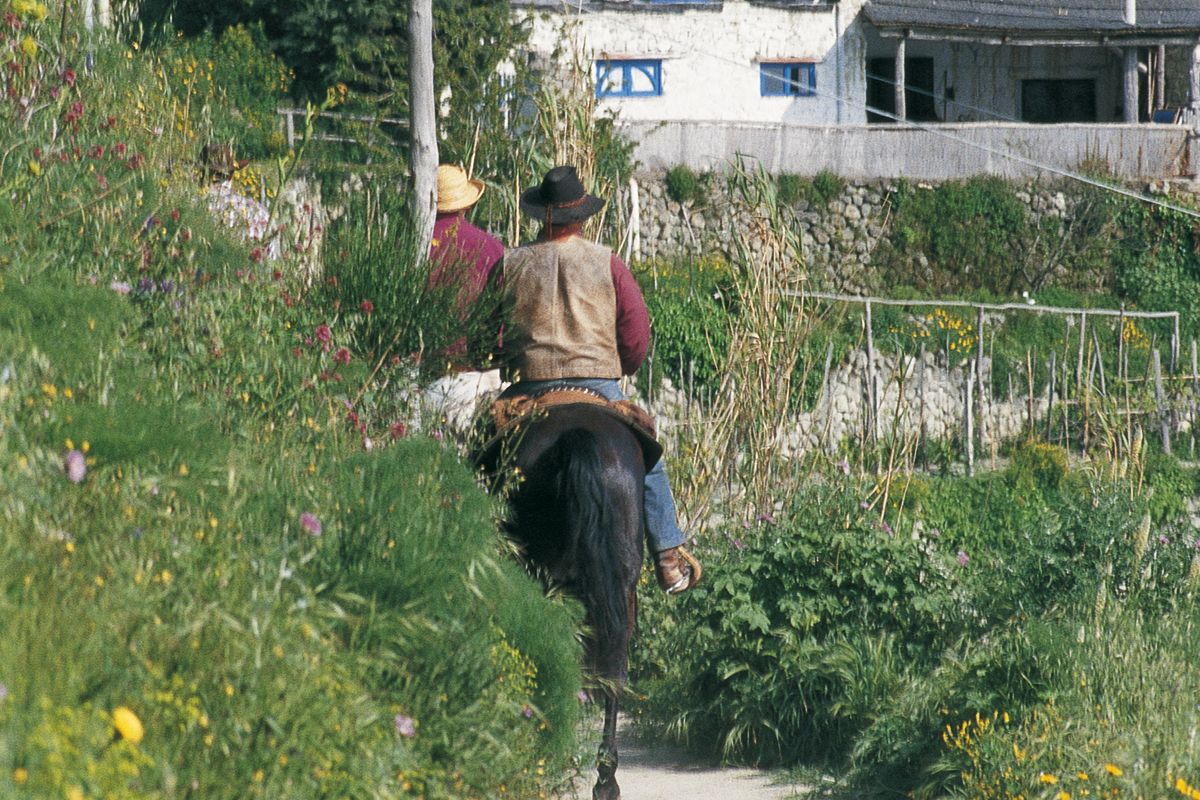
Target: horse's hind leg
column 615, row 671
column 606, row 787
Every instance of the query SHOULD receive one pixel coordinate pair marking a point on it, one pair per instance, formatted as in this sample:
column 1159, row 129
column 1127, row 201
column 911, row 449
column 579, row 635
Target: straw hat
column 455, row 191
column 560, row 198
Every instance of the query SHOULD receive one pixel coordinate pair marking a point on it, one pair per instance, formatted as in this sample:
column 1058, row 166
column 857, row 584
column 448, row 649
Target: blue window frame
column 629, row 77
column 788, row 78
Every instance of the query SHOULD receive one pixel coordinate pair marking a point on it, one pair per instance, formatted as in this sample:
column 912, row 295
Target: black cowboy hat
column 560, row 198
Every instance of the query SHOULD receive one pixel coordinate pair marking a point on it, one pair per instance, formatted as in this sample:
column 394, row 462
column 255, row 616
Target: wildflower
column 1114, row 770
column 75, row 466
column 29, row 46
column 368, row 444
column 342, row 356
column 1163, row 539
column 406, row 726
column 883, row 524
column 844, row 467
column 1046, row 777
column 367, row 307
column 963, row 558
column 582, row 696
column 738, row 544
column 310, row 523
column 127, row 724
column 527, row 712
column 767, row 517
column 3, row 691
column 35, row 168
column 20, row 775
column 120, row 287
column 398, row 430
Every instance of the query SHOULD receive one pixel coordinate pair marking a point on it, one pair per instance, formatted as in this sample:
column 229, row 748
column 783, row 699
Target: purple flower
column 844, row 467
column 864, row 505
column 883, row 523
column 437, row 436
column 76, row 466
column 963, row 558
column 1196, row 544
column 527, row 712
column 1162, row 538
column 120, row 287
column 310, row 523
column 582, row 696
column 166, row 287
column 738, row 544
column 3, row 691
column 145, row 285
column 767, row 517
column 405, row 726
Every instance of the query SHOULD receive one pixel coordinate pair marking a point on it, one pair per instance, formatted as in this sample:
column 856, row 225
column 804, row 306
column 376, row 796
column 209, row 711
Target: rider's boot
column 677, row 570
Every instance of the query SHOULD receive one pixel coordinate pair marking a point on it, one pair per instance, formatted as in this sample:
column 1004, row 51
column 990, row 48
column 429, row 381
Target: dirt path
column 653, row 772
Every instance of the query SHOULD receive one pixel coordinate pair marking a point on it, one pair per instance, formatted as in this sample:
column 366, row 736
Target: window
column 788, row 78
column 629, row 77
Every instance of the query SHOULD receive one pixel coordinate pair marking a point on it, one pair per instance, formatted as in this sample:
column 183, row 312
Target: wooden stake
column 1160, row 402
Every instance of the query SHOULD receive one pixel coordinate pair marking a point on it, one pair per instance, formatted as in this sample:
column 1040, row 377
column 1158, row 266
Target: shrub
column 826, row 186
column 689, row 303
column 683, row 185
column 1038, row 467
column 792, row 189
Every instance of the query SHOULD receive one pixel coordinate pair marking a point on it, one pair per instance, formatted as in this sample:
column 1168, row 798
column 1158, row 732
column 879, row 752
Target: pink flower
column 342, row 356
column 367, row 306
column 527, row 712
column 844, row 467
column 963, row 558
column 310, row 523
column 323, row 334
column 766, row 517
column 406, row 726
column 120, row 287
column 76, row 466
column 398, row 430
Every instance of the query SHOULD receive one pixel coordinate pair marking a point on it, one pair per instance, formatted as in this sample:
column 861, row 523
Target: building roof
column 1036, row 16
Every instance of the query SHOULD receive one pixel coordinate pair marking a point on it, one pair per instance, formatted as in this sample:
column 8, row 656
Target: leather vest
column 560, row 311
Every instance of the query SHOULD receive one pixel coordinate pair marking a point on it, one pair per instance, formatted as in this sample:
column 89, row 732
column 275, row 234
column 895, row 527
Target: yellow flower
column 1046, row 777
column 29, row 46
column 35, row 167
column 20, row 775
column 74, row 793
column 1063, row 796
column 1114, row 770
column 1083, row 776
column 127, row 724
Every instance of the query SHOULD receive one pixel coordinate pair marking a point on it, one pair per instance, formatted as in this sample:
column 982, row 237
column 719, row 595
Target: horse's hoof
column 606, row 790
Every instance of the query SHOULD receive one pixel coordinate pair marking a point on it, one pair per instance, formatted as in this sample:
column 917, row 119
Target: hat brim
column 464, row 200
column 532, row 205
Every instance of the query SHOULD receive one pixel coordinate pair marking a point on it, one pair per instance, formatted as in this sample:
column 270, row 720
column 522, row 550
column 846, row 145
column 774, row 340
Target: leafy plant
column 683, row 185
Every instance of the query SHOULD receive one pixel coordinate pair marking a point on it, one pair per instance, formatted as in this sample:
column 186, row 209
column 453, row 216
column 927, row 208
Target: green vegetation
column 684, row 185
column 910, row 650
column 230, row 567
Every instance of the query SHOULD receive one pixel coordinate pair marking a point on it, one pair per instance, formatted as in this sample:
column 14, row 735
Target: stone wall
column 840, row 235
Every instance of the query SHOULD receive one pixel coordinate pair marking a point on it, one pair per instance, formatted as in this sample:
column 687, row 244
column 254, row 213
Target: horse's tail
column 590, row 541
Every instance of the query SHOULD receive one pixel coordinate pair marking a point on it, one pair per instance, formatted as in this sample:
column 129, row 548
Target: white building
column 740, row 60
column 880, row 88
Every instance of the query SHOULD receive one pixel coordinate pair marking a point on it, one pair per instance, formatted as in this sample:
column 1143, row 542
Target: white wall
column 710, row 58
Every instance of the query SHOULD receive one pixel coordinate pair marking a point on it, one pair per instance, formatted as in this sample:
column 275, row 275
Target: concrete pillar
column 1160, row 76
column 1194, row 82
column 1131, row 85
column 901, row 105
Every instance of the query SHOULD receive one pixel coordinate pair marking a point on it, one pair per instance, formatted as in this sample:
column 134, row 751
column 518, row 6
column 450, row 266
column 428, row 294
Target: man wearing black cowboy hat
column 576, row 317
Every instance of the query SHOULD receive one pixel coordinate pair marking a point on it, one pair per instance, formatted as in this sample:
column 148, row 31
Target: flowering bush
column 184, row 428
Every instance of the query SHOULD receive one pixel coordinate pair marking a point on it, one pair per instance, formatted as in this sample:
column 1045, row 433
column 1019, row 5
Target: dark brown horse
column 578, row 516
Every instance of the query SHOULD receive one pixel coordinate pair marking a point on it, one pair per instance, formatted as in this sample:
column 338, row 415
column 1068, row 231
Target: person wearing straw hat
column 464, row 256
column 456, row 242
column 574, row 316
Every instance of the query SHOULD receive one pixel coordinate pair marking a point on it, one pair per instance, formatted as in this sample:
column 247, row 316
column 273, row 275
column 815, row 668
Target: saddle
column 508, row 415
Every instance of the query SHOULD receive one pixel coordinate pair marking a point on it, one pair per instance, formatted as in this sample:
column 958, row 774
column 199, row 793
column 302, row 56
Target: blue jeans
column 662, row 529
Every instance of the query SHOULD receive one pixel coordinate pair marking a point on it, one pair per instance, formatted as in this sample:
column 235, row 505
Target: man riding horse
column 574, row 317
